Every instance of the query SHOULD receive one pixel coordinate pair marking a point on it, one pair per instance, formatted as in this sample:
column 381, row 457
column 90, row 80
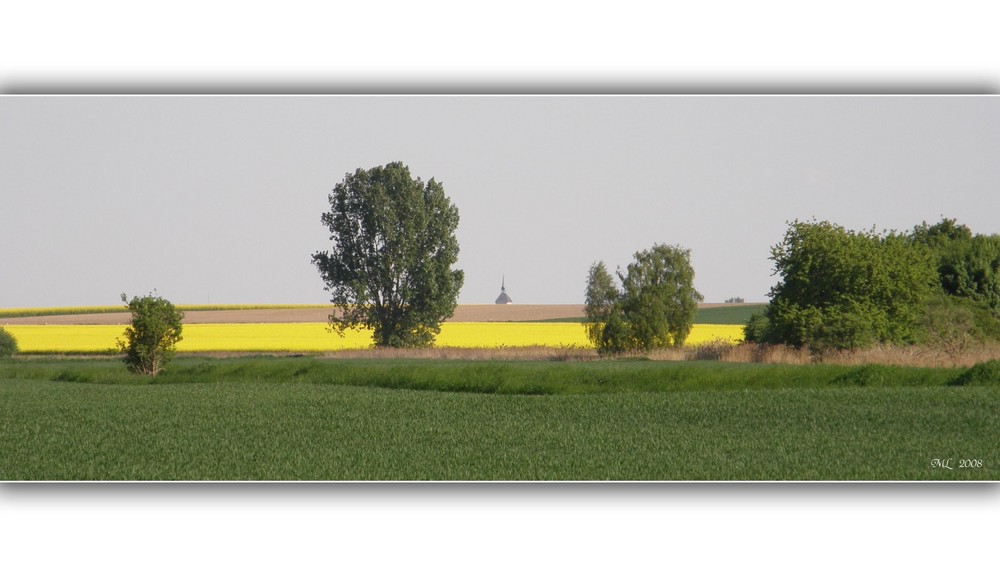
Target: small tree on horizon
column 601, row 308
column 151, row 337
column 654, row 309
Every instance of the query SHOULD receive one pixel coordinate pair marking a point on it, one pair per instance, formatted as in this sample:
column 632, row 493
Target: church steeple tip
column 503, row 299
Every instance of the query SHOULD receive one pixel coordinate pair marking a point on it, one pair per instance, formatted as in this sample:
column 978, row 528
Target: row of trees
column 390, row 271
column 394, row 245
column 842, row 289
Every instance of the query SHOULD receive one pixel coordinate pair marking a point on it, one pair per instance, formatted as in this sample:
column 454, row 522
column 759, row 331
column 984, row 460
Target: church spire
column 503, row 299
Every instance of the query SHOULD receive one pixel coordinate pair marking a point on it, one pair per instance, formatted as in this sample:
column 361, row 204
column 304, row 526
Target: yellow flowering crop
column 65, row 338
column 314, row 337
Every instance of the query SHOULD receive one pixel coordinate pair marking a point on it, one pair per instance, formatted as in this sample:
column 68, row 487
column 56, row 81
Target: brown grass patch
column 465, row 354
column 906, row 356
column 910, row 356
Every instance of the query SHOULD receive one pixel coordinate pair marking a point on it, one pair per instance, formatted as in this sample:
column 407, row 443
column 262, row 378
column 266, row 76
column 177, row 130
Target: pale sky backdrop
column 218, row 199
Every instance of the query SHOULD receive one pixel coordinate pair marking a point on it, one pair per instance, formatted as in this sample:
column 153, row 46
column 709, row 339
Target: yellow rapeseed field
column 314, row 337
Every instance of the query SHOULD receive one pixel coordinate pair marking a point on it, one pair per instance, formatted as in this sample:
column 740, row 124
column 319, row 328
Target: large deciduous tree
column 390, row 268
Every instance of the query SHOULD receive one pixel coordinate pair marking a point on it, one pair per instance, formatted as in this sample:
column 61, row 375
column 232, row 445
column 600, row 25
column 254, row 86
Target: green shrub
column 756, row 328
column 841, row 289
column 866, row 376
column 953, row 324
column 8, row 344
column 986, row 373
column 151, row 338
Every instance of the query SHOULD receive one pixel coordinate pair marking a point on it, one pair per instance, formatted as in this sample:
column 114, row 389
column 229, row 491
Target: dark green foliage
column 986, row 373
column 968, row 265
column 601, row 305
column 655, row 307
column 954, row 324
column 659, row 299
column 151, row 337
column 868, row 376
column 756, row 328
column 393, row 247
column 8, row 344
column 843, row 289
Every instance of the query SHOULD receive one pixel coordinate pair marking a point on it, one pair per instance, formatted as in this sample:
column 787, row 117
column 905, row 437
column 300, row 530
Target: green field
column 725, row 315
column 305, row 418
column 728, row 315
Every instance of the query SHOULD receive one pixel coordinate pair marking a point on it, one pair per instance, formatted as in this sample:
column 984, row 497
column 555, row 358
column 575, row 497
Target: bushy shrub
column 955, row 325
column 151, row 338
column 987, row 373
column 8, row 344
column 841, row 289
column 866, row 376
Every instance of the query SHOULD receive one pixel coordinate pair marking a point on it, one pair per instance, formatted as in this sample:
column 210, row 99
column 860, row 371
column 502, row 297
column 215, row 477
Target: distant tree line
column 842, row 289
column 394, row 245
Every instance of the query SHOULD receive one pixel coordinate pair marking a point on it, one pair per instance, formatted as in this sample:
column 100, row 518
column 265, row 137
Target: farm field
column 303, row 328
column 315, row 338
column 385, row 418
column 307, row 418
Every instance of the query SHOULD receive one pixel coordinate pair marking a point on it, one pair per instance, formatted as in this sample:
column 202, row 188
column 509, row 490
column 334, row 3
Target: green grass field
column 305, row 418
column 727, row 315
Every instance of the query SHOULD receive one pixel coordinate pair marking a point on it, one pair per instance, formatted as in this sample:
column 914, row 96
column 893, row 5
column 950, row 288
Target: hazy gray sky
column 217, row 198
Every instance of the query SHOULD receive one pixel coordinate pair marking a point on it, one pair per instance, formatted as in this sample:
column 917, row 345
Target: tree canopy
column 968, row 265
column 654, row 308
column 937, row 284
column 393, row 248
column 152, row 335
column 844, row 289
